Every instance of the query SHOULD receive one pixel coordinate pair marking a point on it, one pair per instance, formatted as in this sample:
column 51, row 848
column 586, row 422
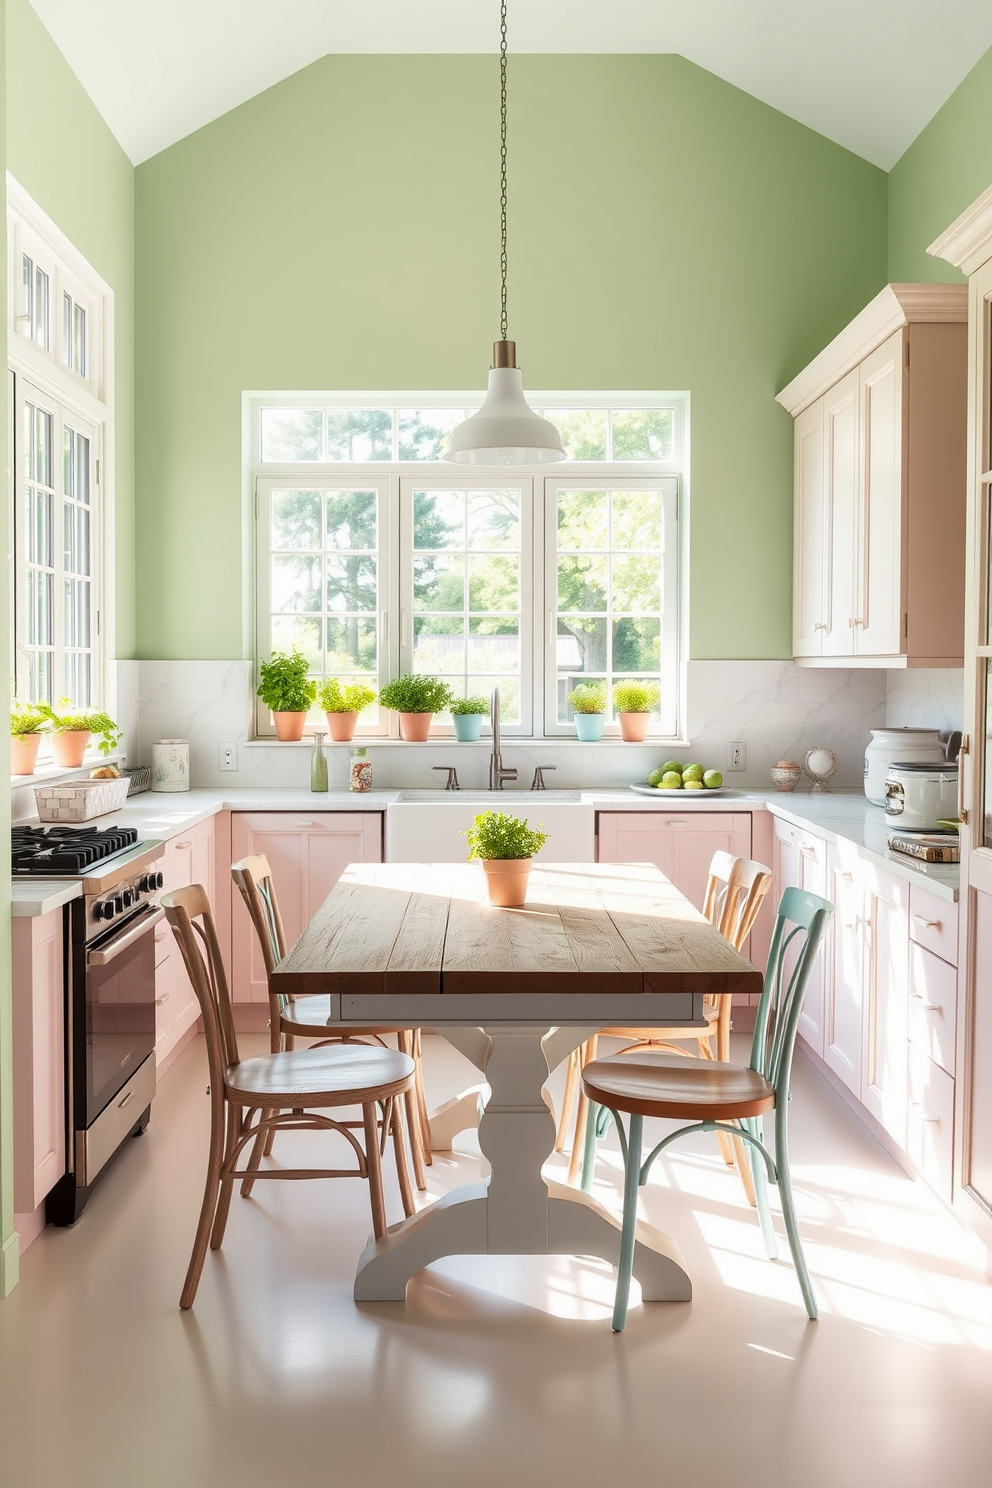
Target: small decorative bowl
column 820, row 765
column 786, row 775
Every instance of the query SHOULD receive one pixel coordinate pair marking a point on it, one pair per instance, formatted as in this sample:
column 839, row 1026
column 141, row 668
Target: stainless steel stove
column 109, row 991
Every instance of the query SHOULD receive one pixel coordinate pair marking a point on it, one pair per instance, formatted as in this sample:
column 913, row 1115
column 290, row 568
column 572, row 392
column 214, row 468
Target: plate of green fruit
column 674, row 776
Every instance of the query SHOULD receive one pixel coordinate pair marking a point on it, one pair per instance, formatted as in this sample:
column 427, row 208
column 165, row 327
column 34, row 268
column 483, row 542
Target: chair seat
column 336, row 1075
column 646, row 1082
column 310, row 1017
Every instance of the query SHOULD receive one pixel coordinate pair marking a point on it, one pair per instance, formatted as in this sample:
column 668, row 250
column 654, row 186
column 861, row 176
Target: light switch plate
column 227, row 757
column 736, row 755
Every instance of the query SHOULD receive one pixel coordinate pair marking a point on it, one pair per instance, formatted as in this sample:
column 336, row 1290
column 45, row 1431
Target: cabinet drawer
column 931, row 1121
column 932, row 1006
column 933, row 924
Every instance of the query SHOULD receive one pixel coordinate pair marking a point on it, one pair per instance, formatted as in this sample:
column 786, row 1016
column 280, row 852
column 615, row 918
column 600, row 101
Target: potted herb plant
column 505, row 845
column 632, row 703
column 27, row 723
column 467, row 715
column 288, row 692
column 342, row 706
column 588, row 702
column 71, row 732
column 416, row 700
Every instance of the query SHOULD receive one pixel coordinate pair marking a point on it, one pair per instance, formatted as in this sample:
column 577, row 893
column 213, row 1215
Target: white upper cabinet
column 880, row 441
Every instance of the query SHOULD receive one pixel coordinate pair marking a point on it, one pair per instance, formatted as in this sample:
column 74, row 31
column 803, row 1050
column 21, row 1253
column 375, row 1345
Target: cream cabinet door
column 887, row 996
column 842, row 1034
column 877, row 610
column 810, row 606
column 840, row 463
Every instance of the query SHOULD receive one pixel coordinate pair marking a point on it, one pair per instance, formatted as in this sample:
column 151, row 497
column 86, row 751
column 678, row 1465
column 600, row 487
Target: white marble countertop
column 39, row 896
column 835, row 815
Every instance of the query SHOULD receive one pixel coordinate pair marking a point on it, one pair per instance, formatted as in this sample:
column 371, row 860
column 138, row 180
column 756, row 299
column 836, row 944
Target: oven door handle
column 106, row 954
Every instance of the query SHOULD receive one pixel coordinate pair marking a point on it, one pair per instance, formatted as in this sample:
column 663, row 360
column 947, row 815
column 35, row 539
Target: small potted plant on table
column 416, row 700
column 632, row 703
column 467, row 715
column 288, row 692
column 342, row 706
column 588, row 702
column 504, row 845
column 27, row 723
column 71, row 732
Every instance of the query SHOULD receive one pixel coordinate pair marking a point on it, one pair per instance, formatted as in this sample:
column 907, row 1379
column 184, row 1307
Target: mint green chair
column 732, row 1098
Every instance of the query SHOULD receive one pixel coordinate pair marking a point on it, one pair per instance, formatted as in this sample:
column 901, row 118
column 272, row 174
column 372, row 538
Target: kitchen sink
column 516, row 798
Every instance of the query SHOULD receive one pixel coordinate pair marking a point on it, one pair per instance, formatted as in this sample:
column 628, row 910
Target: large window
column 61, row 419
column 514, row 579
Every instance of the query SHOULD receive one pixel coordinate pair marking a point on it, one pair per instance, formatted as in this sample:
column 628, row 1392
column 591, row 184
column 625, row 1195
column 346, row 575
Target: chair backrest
column 188, row 912
column 753, row 884
column 720, row 900
column 799, row 926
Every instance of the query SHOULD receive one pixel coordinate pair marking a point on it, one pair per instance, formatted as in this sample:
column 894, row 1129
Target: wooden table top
column 428, row 928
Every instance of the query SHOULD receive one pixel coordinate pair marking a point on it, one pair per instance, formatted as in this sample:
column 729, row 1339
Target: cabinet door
column 307, row 855
column 878, row 607
column 886, row 1000
column 842, row 1036
column 39, row 1058
column 682, row 846
column 811, row 857
column 810, row 537
column 840, row 462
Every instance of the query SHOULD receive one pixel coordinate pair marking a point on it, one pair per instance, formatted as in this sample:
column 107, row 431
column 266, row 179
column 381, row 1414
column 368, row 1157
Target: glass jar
column 318, row 765
column 360, row 773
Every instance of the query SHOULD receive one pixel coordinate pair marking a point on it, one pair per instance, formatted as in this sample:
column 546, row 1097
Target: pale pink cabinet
column 188, row 859
column 39, row 1058
column 307, row 855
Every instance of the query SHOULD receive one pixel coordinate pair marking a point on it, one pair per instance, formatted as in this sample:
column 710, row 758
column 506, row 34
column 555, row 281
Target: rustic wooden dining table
column 515, row 990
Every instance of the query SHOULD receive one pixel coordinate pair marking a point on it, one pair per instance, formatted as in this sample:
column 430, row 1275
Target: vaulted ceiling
column 866, row 73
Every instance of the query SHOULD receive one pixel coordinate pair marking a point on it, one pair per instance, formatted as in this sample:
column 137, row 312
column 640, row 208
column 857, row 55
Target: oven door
column 120, row 1007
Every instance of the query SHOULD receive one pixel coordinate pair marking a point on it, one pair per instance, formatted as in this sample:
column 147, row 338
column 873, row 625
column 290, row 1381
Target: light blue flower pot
column 589, row 726
column 468, row 727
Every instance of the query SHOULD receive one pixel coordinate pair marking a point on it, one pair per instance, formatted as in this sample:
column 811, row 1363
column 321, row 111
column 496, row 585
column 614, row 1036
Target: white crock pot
column 920, row 746
column 919, row 797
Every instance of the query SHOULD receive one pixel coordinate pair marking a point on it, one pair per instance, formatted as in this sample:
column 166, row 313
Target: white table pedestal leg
column 516, row 1212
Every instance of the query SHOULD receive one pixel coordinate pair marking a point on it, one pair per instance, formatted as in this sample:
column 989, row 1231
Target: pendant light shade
column 505, row 431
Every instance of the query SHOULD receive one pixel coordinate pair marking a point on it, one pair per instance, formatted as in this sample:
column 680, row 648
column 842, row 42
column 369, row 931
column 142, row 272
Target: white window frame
column 85, row 402
column 539, row 659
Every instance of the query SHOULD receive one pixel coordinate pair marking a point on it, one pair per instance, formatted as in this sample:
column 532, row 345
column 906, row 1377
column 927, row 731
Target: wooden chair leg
column 261, row 1147
column 587, row 1053
column 425, row 1125
column 235, row 1126
column 208, row 1207
column 370, row 1113
column 405, row 1043
column 568, row 1099
column 399, row 1151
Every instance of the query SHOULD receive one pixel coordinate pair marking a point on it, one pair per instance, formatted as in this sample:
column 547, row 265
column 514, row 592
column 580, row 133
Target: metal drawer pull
column 159, row 1000
column 963, row 748
column 305, row 824
column 930, row 1007
column 182, row 846
column 807, row 849
column 123, row 1103
column 678, row 823
column 926, row 924
column 821, row 626
column 923, row 1114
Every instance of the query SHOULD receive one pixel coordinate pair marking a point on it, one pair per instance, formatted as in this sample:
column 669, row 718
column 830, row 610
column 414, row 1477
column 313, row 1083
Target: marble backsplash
column 925, row 698
column 777, row 709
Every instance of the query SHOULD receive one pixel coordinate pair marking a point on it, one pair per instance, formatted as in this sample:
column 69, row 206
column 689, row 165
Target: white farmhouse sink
column 425, row 826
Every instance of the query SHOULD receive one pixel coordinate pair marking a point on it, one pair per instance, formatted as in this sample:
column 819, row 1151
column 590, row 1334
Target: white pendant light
column 504, row 431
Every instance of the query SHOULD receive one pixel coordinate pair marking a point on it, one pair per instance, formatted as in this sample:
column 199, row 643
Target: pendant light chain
column 502, row 169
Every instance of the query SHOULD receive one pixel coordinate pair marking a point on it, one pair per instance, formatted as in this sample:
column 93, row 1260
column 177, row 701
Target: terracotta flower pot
column 23, row 753
column 634, row 727
column 416, row 727
column 69, row 747
column 341, row 726
column 506, row 880
column 289, row 726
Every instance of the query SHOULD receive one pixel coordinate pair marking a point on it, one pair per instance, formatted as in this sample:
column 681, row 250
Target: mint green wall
column 339, row 231
column 946, row 167
column 65, row 157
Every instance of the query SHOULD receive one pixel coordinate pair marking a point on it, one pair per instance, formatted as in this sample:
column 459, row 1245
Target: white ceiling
column 866, row 73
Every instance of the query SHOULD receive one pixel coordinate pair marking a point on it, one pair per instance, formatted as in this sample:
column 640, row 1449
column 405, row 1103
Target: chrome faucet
column 496, row 772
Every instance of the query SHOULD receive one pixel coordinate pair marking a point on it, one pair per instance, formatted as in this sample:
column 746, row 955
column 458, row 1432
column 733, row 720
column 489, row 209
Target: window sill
column 507, row 741
column 47, row 774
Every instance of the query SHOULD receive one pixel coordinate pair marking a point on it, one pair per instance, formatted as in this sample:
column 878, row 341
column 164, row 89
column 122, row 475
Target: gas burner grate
column 66, row 850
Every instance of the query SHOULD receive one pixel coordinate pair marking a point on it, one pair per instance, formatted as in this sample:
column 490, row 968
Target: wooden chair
column 735, row 890
column 310, row 1017
column 718, row 1096
column 249, row 1098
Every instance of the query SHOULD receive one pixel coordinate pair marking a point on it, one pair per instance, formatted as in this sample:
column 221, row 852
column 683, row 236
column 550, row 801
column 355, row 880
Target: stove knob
column 147, row 883
column 118, row 903
column 128, row 898
column 160, row 880
column 104, row 911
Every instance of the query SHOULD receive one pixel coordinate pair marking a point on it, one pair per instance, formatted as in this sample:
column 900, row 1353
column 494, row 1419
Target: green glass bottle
column 318, row 765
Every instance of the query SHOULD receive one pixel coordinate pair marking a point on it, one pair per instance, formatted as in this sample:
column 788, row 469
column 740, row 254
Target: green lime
column 671, row 780
column 672, row 767
column 712, row 780
column 655, row 777
column 693, row 785
column 692, row 772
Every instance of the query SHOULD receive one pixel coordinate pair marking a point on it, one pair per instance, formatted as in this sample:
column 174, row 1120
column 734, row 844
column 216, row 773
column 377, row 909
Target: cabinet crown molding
column 895, row 306
column 967, row 243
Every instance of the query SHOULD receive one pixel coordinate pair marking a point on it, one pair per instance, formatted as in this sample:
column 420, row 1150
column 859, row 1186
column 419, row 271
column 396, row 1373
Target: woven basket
column 80, row 800
column 139, row 778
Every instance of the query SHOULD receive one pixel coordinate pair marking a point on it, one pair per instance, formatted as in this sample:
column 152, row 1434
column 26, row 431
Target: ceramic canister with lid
column 919, row 797
column 920, row 746
column 170, row 765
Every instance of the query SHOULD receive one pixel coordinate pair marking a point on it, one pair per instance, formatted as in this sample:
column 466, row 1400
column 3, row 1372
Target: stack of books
column 927, row 847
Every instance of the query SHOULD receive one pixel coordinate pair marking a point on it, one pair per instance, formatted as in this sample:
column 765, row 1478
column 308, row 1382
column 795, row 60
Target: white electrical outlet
column 736, row 755
column 228, row 757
